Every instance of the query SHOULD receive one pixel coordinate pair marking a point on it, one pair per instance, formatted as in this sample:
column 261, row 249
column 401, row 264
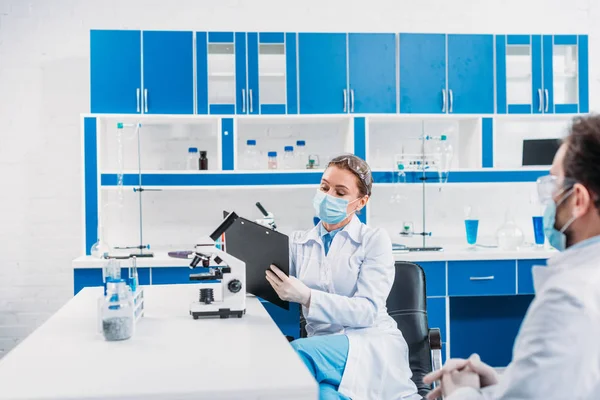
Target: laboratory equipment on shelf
column 471, row 226
column 192, row 159
column 313, row 161
column 222, row 289
column 272, row 160
column 269, row 218
column 300, row 154
column 100, row 249
column 203, row 161
column 288, row 157
column 251, row 156
column 538, row 230
column 118, row 320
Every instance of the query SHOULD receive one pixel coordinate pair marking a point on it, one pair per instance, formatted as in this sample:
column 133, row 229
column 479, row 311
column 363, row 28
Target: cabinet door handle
column 145, row 100
column 482, row 278
column 443, row 100
column 352, row 100
column 244, row 100
column 541, row 100
column 137, row 97
column 345, row 100
column 546, row 96
column 451, row 100
column 250, row 99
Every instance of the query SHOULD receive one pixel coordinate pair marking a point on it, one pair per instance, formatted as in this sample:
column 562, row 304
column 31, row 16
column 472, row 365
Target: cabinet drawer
column 435, row 277
column 525, row 277
column 482, row 278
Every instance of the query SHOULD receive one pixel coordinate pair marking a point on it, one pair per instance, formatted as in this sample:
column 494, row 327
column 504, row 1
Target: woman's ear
column 363, row 202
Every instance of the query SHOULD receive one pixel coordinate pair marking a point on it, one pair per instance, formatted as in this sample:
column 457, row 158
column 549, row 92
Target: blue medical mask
column 330, row 209
column 556, row 237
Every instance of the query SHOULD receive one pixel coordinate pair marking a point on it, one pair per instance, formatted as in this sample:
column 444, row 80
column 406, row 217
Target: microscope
column 222, row 290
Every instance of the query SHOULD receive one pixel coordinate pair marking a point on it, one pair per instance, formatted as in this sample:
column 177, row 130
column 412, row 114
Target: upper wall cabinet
column 116, row 71
column 246, row 73
column 372, row 69
column 542, row 74
column 446, row 74
column 347, row 73
column 168, row 72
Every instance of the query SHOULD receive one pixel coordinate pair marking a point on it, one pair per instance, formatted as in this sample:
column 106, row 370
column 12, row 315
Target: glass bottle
column 117, row 312
column 192, row 159
column 300, row 154
column 203, row 161
column 288, row 157
column 251, row 161
column 272, row 160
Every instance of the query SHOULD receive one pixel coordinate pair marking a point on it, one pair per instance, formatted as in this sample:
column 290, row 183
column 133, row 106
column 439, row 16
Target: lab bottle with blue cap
column 272, row 160
column 288, row 157
column 300, row 154
column 251, row 159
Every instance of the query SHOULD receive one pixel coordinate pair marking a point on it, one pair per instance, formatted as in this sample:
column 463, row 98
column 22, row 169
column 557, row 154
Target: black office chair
column 407, row 304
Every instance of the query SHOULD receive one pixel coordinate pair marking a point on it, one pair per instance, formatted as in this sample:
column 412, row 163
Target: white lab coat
column 350, row 286
column 557, row 352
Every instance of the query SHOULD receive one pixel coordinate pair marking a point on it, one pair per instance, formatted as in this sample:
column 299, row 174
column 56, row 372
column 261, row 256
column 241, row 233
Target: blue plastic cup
column 471, row 226
column 538, row 230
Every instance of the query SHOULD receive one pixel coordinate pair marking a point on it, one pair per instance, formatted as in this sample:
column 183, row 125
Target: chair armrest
column 435, row 339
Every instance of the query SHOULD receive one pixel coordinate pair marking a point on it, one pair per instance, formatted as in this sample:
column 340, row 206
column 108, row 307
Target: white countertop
column 463, row 252
column 452, row 252
column 171, row 355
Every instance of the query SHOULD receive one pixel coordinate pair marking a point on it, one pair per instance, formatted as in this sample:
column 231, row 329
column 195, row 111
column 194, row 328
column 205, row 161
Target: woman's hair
column 358, row 167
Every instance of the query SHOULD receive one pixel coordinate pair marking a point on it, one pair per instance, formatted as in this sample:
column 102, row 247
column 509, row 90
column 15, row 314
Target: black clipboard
column 259, row 247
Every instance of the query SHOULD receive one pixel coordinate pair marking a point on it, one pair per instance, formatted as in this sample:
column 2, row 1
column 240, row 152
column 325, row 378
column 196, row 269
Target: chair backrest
column 407, row 304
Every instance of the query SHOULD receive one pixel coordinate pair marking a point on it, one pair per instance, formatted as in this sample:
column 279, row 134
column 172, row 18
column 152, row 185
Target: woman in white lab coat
column 341, row 272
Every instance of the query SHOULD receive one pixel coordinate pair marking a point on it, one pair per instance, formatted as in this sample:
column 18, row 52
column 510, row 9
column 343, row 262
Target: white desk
column 171, row 355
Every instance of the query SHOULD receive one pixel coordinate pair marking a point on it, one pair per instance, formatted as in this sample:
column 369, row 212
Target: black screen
column 539, row 151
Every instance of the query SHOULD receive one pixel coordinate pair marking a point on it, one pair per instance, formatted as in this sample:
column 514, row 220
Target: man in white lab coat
column 557, row 352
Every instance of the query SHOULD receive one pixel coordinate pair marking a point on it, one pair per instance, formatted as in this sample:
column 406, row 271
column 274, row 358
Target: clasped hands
column 457, row 373
column 288, row 288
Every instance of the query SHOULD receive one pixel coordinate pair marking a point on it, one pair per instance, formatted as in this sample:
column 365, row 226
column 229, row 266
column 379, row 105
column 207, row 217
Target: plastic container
column 112, row 272
column 300, row 154
column 192, row 159
column 251, row 157
column 288, row 157
column 203, row 161
column 117, row 312
column 272, row 160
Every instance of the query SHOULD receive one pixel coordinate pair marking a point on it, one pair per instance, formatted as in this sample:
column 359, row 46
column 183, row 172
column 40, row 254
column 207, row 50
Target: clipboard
column 259, row 247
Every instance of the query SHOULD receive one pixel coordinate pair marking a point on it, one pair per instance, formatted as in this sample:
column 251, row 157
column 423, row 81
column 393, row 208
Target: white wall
column 44, row 86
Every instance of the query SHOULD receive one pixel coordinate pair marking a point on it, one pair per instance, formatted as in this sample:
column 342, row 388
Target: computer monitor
column 539, row 152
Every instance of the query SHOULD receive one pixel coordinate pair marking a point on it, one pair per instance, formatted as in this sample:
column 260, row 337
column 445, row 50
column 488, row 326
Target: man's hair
column 582, row 157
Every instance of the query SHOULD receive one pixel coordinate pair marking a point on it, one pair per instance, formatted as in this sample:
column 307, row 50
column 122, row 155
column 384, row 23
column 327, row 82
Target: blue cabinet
column 168, row 72
column 422, row 73
column 542, row 74
column 272, row 76
column 372, row 68
column 322, row 73
column 425, row 63
column 115, row 71
column 470, row 74
column 246, row 73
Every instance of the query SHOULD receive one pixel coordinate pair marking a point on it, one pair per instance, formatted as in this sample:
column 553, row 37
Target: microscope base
column 222, row 313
